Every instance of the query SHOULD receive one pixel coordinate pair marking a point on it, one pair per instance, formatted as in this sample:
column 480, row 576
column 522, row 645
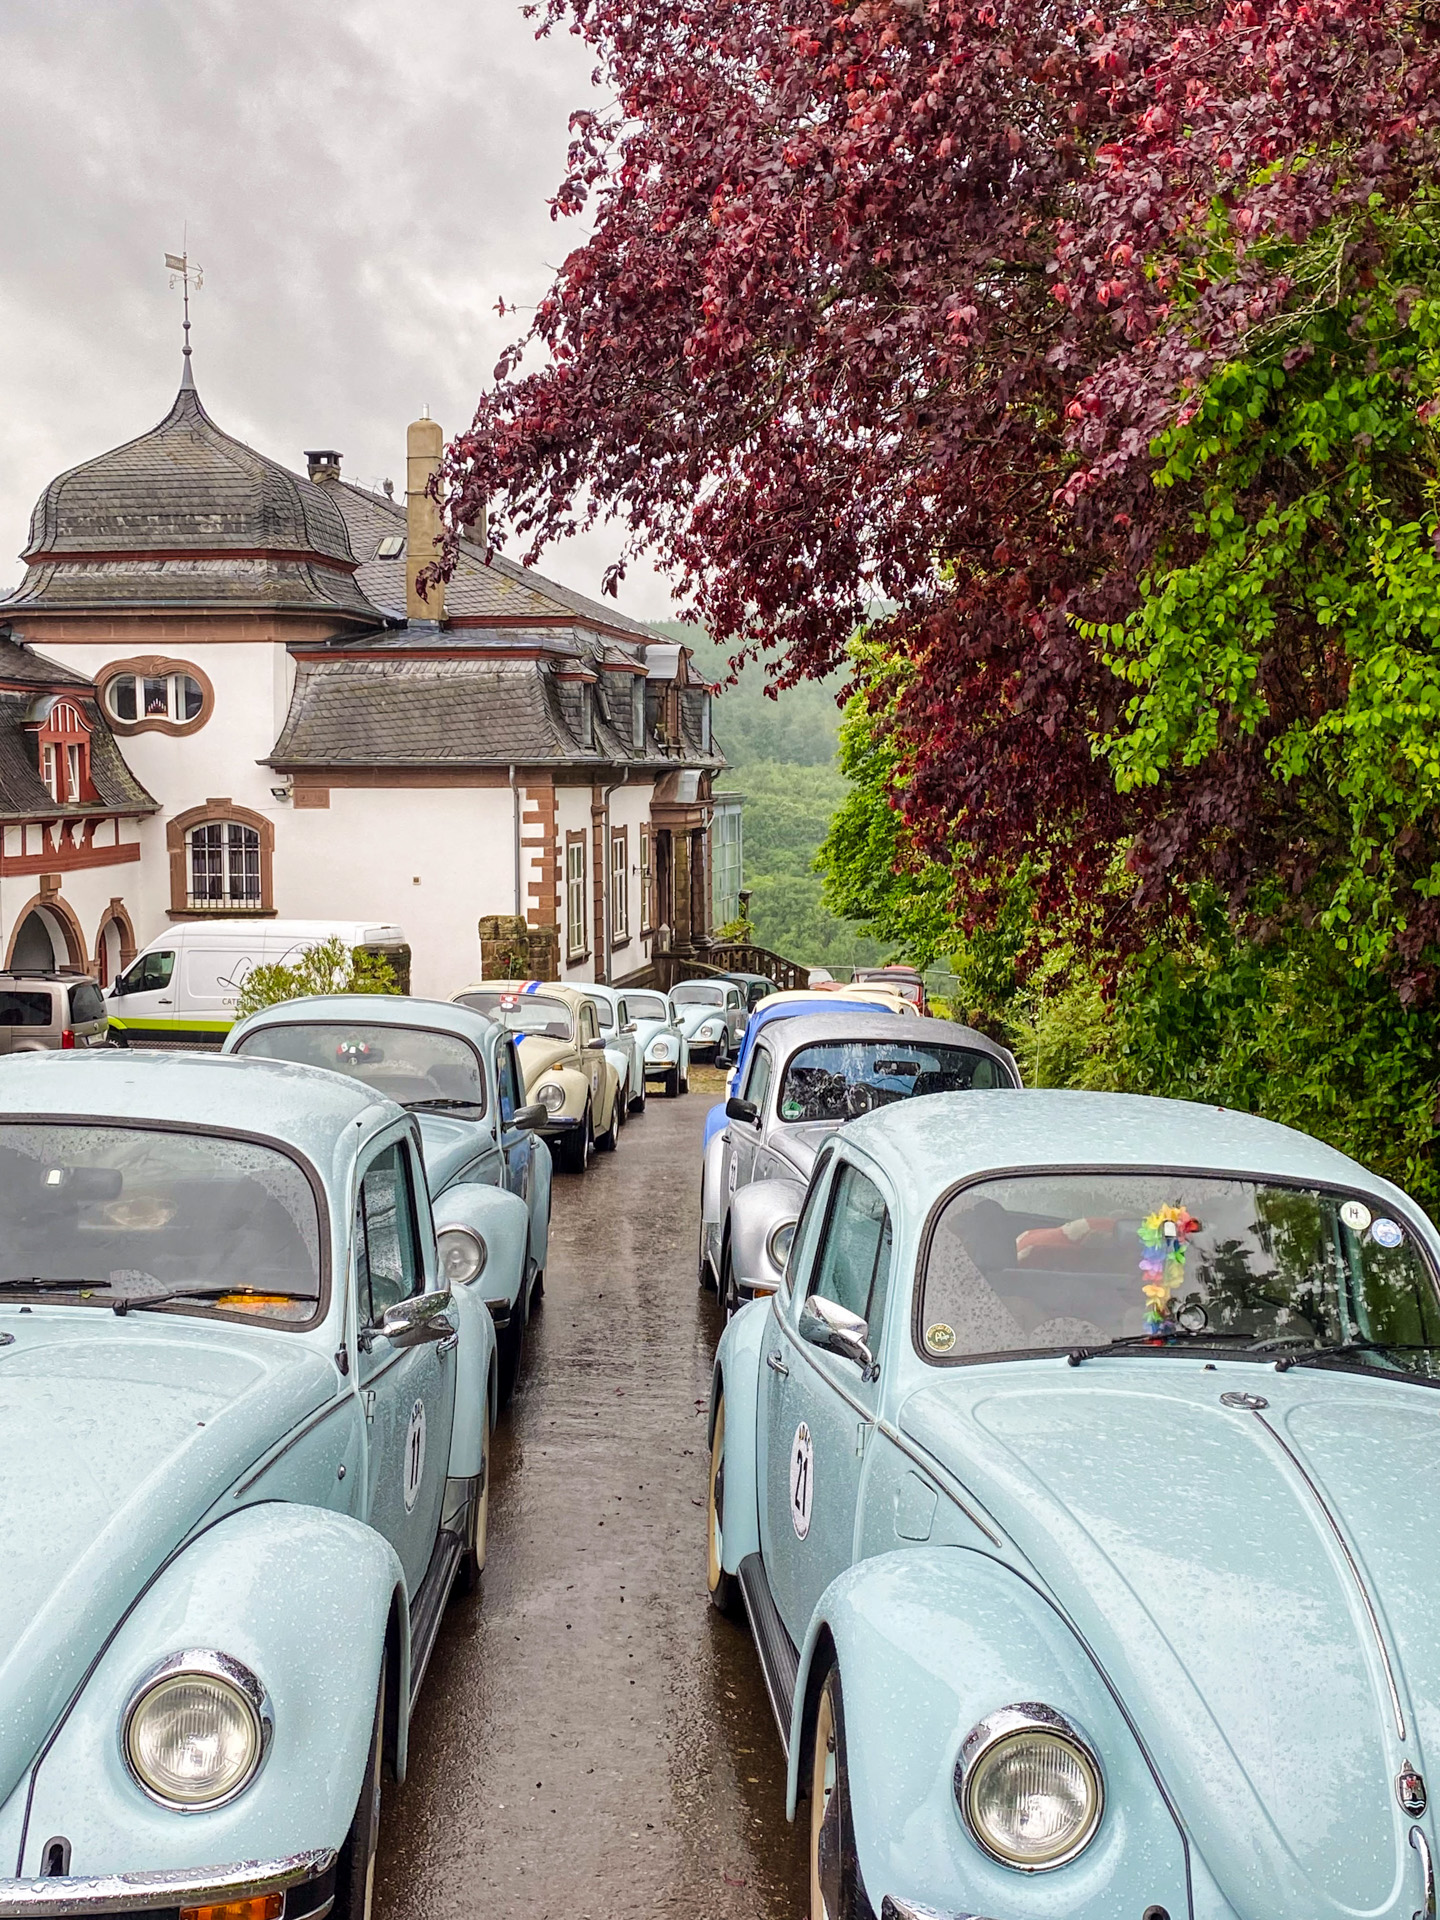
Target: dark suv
column 40, row 1011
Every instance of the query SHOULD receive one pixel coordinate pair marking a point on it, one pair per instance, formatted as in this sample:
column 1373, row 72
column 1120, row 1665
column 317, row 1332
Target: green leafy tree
column 330, row 967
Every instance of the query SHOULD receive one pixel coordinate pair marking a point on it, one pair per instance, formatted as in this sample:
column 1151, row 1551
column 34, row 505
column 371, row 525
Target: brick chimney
column 324, row 465
column 423, row 445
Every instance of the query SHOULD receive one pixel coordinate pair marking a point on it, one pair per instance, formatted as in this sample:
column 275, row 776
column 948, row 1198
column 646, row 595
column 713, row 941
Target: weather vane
column 181, row 270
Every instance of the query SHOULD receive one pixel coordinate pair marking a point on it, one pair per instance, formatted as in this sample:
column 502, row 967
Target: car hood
column 1193, row 1545
column 537, row 1055
column 692, row 1017
column 116, row 1437
column 450, row 1145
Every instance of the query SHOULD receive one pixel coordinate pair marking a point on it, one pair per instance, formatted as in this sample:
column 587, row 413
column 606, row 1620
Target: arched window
column 223, row 862
column 63, row 737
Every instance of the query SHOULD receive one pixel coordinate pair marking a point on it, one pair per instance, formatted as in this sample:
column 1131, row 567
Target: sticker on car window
column 414, row 1454
column 940, row 1338
column 1356, row 1215
column 1387, row 1233
column 802, row 1480
column 792, row 1110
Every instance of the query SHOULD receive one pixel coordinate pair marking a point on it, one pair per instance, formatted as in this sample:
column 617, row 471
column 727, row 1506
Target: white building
column 222, row 693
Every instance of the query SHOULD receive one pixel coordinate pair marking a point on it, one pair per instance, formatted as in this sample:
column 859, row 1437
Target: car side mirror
column 737, row 1109
column 415, row 1322
column 534, row 1115
column 594, row 1046
column 825, row 1323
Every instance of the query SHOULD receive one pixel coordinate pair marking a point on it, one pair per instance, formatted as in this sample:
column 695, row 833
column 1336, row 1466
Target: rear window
column 522, row 1013
column 29, row 1008
column 646, row 1006
column 86, row 1004
column 414, row 1065
column 697, row 993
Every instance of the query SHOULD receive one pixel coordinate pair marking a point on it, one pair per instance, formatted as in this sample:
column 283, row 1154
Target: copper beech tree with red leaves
column 886, row 303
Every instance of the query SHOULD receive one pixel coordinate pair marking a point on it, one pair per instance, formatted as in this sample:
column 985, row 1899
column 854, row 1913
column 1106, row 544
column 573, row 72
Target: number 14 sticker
column 802, row 1480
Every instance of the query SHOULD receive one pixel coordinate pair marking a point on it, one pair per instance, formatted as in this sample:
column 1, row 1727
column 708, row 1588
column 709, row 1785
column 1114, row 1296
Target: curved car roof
column 372, row 1009
column 306, row 1108
column 808, row 1029
column 929, row 1144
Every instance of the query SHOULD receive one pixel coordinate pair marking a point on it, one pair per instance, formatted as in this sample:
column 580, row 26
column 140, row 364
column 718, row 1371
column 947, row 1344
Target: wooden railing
column 666, row 970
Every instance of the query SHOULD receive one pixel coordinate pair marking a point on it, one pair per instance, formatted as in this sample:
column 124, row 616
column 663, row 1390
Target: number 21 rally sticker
column 802, row 1480
column 414, row 1453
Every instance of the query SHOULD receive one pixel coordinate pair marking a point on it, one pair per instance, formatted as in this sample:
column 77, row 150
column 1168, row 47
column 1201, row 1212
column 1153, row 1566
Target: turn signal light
column 264, row 1906
column 67, row 1040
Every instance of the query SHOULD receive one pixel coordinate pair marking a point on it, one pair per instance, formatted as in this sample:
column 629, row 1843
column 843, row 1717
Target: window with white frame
column 620, row 884
column 647, row 916
column 224, row 865
column 575, row 894
column 164, row 696
column 48, row 770
column 73, row 773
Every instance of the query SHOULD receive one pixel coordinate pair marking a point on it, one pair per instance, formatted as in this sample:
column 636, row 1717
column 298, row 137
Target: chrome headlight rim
column 480, row 1252
column 551, row 1096
column 223, row 1671
column 774, row 1252
column 998, row 1730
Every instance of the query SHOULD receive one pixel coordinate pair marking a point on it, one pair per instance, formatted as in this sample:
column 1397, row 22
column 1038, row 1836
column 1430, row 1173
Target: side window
column 757, row 1084
column 149, row 973
column 387, row 1255
column 507, row 1081
column 85, row 1004
column 807, row 1230
column 587, row 1024
column 854, row 1265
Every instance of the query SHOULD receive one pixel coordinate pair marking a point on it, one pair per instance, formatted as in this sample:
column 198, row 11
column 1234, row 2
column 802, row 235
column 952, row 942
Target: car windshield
column 523, row 1013
column 647, row 1006
column 410, row 1064
column 1045, row 1261
column 841, row 1079
column 697, row 993
column 105, row 1214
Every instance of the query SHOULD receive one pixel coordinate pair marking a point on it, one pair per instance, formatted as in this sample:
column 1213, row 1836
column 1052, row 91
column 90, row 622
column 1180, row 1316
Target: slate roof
column 397, row 712
column 23, row 794
column 20, row 663
column 120, row 530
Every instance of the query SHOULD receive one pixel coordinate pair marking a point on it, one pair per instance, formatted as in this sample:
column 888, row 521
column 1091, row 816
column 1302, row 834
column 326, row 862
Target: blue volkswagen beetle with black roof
column 1079, row 1488
column 244, row 1460
column 455, row 1069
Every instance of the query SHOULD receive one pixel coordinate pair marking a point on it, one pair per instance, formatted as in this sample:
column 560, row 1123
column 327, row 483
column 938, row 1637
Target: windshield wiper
column 1346, row 1348
column 437, row 1105
column 129, row 1300
column 1201, row 1337
column 33, row 1284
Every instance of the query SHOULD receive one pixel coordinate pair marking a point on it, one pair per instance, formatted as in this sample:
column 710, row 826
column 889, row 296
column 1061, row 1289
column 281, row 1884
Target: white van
column 184, row 987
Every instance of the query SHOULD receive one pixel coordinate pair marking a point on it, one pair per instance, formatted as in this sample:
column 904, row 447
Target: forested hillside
column 782, row 758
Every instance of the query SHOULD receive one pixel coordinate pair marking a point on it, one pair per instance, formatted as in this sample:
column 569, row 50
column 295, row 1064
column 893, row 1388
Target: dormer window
column 63, row 739
column 637, row 712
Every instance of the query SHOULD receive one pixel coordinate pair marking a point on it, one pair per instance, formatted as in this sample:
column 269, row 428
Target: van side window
column 149, row 973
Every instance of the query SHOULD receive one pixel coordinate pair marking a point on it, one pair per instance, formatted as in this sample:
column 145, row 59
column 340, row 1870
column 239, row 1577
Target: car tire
column 684, row 1083
column 672, row 1084
column 477, row 1522
column 622, row 1103
column 724, row 1587
column 706, row 1274
column 608, row 1141
column 836, row 1892
column 729, row 1292
column 574, row 1149
column 117, row 1040
column 355, row 1869
column 537, row 1290
column 509, row 1352
column 637, row 1102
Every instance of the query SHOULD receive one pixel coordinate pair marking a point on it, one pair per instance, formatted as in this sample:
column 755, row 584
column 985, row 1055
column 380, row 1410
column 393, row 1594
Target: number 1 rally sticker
column 802, row 1480
column 414, row 1454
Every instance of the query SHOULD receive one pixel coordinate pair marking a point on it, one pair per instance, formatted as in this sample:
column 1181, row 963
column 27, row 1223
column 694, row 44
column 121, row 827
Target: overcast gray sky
column 361, row 182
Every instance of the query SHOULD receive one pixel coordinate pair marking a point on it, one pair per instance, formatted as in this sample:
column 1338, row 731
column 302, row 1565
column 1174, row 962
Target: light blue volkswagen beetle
column 456, row 1071
column 244, row 1441
column 1080, row 1488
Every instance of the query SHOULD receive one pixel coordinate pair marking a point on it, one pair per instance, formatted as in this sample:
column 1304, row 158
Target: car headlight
column 1029, row 1787
column 462, row 1254
column 195, row 1730
column 779, row 1244
column 551, row 1097
column 658, row 1050
column 710, row 1031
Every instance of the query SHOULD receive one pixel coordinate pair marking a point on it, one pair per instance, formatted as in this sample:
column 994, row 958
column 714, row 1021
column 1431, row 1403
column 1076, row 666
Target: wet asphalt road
column 593, row 1740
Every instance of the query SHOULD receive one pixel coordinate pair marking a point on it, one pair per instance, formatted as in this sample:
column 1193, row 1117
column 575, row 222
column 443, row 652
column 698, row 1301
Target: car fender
column 755, row 1212
column 618, row 1062
column 304, row 1598
column 737, row 1376
column 712, row 1196
column 574, row 1084
column 930, row 1640
column 502, row 1221
column 538, row 1201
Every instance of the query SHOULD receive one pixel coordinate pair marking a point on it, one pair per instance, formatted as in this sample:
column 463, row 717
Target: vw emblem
column 1410, row 1791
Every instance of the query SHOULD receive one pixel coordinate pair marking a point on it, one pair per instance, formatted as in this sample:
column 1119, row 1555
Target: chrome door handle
column 449, row 1343
column 1422, row 1846
column 777, row 1365
column 166, row 1002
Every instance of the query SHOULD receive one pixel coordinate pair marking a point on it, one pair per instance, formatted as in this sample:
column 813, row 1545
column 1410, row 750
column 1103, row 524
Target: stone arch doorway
column 46, row 936
column 114, row 944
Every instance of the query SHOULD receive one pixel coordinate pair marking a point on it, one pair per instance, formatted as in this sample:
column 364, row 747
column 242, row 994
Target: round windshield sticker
column 802, row 1480
column 1386, row 1233
column 1356, row 1215
column 940, row 1338
column 792, row 1110
column 414, row 1454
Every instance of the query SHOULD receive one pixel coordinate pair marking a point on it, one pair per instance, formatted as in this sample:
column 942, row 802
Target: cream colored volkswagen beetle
column 562, row 1056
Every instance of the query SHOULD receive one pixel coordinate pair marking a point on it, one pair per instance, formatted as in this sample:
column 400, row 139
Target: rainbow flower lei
column 1163, row 1235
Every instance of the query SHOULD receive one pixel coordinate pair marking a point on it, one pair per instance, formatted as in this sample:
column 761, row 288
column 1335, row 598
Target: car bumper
column 307, row 1880
column 559, row 1125
column 893, row 1909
